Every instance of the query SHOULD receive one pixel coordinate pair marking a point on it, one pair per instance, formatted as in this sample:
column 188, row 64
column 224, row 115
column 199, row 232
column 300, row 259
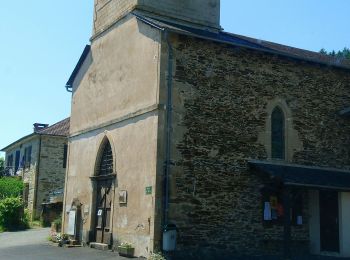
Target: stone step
column 99, row 246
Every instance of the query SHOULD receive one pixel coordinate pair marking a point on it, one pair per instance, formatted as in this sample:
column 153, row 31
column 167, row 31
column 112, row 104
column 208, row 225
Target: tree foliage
column 10, row 187
column 345, row 53
column 12, row 215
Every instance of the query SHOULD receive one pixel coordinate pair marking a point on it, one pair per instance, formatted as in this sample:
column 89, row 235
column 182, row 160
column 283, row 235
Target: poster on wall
column 71, row 223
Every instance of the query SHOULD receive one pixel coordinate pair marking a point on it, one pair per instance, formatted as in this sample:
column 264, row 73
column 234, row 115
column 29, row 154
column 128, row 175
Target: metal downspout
column 169, row 110
column 64, row 212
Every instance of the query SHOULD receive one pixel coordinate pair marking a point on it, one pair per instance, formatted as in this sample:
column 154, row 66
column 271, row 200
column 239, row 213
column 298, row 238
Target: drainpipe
column 64, row 213
column 169, row 110
column 35, row 200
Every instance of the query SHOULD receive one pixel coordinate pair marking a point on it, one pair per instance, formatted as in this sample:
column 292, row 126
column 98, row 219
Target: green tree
column 345, row 53
column 10, row 187
column 12, row 215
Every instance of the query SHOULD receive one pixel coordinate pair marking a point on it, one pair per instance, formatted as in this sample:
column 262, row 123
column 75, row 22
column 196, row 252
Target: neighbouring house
column 237, row 141
column 40, row 159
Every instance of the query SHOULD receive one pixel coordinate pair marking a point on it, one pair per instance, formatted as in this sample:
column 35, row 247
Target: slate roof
column 228, row 38
column 75, row 72
column 60, row 128
column 248, row 42
column 304, row 176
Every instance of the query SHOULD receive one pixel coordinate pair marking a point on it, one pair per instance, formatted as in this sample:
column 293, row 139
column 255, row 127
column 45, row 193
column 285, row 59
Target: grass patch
column 35, row 224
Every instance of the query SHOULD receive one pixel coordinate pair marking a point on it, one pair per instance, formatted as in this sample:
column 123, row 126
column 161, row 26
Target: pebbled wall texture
column 221, row 97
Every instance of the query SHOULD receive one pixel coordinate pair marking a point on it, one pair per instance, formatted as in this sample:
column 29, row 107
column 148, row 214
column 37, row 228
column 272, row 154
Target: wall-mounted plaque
column 149, row 190
column 71, row 223
column 122, row 197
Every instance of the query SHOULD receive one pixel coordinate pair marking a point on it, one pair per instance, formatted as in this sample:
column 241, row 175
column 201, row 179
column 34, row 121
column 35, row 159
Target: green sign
column 149, row 190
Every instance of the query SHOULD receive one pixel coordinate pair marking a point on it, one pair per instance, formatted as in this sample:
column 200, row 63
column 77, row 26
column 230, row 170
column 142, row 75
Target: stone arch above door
column 106, row 138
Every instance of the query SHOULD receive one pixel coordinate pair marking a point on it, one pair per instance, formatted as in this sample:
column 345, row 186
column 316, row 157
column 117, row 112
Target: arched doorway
column 104, row 178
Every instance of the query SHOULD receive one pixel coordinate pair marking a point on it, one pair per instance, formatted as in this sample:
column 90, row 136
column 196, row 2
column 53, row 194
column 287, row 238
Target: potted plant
column 126, row 249
column 62, row 239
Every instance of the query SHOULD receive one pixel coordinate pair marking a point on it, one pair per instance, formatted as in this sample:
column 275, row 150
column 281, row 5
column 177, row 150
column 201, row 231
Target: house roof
column 228, row 38
column 304, row 176
column 248, row 42
column 60, row 128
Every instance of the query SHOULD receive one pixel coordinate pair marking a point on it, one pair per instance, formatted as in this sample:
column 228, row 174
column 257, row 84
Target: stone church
column 243, row 144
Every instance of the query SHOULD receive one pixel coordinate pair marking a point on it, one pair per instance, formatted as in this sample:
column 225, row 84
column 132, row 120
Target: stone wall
column 200, row 12
column 51, row 171
column 108, row 11
column 27, row 173
column 221, row 98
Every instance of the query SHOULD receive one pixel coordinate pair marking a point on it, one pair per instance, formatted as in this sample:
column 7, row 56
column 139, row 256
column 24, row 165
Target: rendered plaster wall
column 221, row 99
column 200, row 12
column 135, row 144
column 117, row 98
column 122, row 78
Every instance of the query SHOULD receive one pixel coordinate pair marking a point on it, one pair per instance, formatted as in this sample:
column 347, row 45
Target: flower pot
column 126, row 251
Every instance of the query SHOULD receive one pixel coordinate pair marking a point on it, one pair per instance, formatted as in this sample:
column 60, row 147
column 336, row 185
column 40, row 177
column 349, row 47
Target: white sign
column 71, row 223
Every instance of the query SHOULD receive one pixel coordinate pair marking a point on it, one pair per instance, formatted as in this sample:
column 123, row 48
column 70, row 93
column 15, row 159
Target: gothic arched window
column 277, row 134
column 105, row 166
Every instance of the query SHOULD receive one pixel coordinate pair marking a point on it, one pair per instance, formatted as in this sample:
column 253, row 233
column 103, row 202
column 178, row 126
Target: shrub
column 58, row 223
column 10, row 187
column 156, row 256
column 12, row 216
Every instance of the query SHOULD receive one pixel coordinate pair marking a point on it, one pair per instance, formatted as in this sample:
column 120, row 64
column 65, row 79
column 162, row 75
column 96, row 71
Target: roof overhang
column 25, row 138
column 230, row 39
column 75, row 72
column 308, row 177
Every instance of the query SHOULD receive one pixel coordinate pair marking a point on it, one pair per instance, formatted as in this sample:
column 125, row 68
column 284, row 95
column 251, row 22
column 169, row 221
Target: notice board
column 71, row 223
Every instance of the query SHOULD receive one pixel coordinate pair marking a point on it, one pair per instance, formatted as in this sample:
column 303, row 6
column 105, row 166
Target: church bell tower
column 204, row 14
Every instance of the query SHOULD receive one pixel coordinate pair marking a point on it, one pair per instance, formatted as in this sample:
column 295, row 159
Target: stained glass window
column 106, row 162
column 277, row 134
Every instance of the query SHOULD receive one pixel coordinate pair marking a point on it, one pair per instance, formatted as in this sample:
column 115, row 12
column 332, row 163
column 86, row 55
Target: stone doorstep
column 99, row 246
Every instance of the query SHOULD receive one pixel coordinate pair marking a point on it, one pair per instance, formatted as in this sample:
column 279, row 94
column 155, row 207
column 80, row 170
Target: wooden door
column 329, row 221
column 103, row 211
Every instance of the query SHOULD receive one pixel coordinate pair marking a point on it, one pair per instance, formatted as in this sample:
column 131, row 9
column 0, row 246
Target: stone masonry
column 109, row 11
column 51, row 171
column 45, row 173
column 221, row 94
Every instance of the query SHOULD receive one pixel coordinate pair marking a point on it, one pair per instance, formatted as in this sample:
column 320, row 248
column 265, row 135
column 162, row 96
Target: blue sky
column 42, row 40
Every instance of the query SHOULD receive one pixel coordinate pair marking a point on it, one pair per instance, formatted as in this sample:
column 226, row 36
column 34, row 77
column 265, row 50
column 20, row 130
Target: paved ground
column 33, row 245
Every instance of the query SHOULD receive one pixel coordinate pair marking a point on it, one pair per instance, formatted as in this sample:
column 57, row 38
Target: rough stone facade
column 51, row 170
column 28, row 172
column 221, row 94
column 44, row 176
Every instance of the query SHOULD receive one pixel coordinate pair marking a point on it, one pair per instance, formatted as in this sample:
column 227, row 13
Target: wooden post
column 287, row 223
